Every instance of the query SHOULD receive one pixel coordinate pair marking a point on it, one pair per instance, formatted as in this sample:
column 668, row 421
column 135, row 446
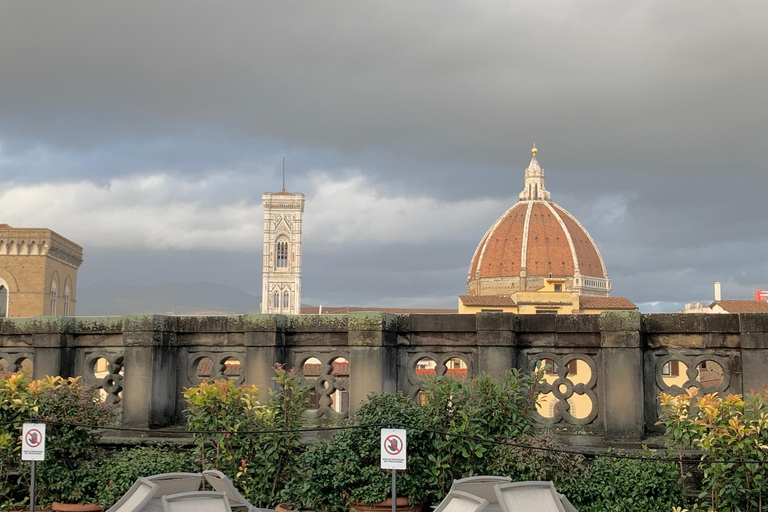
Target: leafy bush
column 258, row 463
column 346, row 469
column 481, row 408
column 16, row 406
column 69, row 449
column 734, row 430
column 603, row 484
column 114, row 475
column 566, row 470
column 626, row 485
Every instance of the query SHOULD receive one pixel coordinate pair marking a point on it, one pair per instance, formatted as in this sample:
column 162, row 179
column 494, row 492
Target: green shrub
column 626, row 485
column 345, row 469
column 734, row 430
column 115, row 474
column 69, row 448
column 566, row 470
column 17, row 405
column 482, row 408
column 258, row 463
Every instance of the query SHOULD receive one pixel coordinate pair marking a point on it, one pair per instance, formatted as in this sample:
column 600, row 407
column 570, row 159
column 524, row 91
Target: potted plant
column 343, row 473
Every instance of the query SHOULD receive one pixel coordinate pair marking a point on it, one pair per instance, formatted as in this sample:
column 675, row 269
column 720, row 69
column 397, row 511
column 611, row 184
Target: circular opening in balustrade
column 456, row 368
column 5, row 366
column 545, row 404
column 710, row 374
column 204, row 368
column 100, row 368
column 548, row 369
column 340, row 396
column 311, row 371
column 425, row 367
column 579, row 371
column 26, row 367
column 674, row 373
column 231, row 368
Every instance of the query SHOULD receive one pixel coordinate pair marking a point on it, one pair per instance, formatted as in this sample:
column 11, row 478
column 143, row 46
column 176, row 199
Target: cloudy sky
column 147, row 132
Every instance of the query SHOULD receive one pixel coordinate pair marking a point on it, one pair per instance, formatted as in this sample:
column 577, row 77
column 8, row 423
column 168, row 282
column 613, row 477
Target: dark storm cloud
column 651, row 117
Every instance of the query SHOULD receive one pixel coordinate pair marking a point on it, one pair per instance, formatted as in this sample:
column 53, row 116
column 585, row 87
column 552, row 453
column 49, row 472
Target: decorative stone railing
column 604, row 372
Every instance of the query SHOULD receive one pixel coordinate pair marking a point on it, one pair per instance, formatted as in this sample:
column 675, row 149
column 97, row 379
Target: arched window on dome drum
column 282, row 253
column 286, row 300
column 3, row 301
column 276, row 300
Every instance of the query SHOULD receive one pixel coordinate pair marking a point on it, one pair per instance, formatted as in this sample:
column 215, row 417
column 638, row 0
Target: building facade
column 38, row 272
column 281, row 274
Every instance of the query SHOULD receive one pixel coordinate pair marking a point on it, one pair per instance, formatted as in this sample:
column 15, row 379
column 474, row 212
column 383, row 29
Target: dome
column 536, row 240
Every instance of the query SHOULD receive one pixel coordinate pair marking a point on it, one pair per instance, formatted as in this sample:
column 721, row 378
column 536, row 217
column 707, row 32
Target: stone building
column 537, row 258
column 38, row 272
column 281, row 275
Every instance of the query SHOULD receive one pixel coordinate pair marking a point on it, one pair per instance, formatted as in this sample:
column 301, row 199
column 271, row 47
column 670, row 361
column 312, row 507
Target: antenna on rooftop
column 283, row 173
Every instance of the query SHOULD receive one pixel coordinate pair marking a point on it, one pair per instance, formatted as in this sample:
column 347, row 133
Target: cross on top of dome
column 534, row 181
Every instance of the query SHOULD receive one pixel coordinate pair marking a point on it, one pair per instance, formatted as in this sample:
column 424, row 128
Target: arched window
column 54, row 293
column 286, row 300
column 3, row 301
column 282, row 253
column 276, row 300
column 66, row 299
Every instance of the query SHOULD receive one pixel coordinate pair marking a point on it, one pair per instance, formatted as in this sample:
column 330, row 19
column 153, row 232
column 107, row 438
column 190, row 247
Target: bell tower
column 281, row 274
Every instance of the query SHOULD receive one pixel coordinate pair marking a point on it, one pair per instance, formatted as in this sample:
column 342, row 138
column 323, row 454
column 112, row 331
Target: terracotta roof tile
column 487, row 300
column 590, row 302
column 501, row 251
column 341, row 310
column 586, row 252
column 742, row 306
column 548, row 248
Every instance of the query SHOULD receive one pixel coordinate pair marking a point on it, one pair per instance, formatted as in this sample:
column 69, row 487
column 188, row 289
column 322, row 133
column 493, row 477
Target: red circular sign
column 393, row 445
column 33, row 438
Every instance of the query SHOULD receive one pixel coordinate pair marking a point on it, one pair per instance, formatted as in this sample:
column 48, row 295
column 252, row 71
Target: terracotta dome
column 536, row 240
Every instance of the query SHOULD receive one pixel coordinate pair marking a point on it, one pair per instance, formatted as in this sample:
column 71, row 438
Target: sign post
column 393, row 454
column 33, row 449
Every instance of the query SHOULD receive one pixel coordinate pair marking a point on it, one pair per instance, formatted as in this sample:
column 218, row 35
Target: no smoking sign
column 33, row 441
column 393, row 448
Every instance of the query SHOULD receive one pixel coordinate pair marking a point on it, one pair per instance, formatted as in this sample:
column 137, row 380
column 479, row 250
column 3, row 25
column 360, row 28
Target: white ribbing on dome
column 534, row 181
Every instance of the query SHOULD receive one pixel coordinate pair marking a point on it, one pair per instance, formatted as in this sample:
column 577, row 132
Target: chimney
column 718, row 297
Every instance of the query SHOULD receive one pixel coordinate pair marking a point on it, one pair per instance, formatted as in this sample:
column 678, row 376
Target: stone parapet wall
column 607, row 368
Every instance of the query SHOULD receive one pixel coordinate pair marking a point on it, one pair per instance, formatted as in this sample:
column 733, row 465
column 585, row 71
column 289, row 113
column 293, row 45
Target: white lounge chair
column 567, row 505
column 174, row 483
column 136, row 498
column 196, row 501
column 219, row 482
column 458, row 501
column 528, row 496
column 481, row 486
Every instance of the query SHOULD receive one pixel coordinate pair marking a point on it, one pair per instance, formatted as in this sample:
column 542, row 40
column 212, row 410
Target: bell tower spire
column 534, row 181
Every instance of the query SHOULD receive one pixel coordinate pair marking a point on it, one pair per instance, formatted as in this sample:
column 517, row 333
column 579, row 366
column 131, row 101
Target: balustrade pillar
column 621, row 375
column 151, row 371
column 264, row 348
column 753, row 331
column 372, row 339
column 496, row 337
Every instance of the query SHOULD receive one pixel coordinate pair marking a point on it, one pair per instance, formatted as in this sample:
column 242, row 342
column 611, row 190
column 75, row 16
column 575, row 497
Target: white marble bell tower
column 281, row 277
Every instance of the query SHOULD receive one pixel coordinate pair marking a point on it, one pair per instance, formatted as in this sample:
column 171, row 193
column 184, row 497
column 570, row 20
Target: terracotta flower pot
column 403, row 505
column 71, row 507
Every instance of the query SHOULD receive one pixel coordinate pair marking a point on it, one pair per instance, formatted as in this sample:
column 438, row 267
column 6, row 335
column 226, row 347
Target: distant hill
column 107, row 299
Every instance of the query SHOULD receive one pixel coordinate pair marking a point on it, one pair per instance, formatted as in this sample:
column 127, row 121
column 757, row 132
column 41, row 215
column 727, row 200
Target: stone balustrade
column 603, row 372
